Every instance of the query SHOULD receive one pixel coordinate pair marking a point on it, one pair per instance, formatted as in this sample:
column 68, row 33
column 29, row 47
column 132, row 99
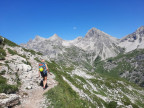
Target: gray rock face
column 8, row 100
column 94, row 43
column 134, row 40
column 51, row 46
column 99, row 43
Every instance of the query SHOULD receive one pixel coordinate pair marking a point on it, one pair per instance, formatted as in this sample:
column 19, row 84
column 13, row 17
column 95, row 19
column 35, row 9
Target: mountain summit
column 94, row 32
column 38, row 38
column 55, row 37
column 140, row 30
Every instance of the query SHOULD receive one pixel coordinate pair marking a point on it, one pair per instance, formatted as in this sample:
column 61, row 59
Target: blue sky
column 21, row 20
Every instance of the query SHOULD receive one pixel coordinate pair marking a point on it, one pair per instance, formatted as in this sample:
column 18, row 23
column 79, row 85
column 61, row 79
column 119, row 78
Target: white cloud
column 74, row 28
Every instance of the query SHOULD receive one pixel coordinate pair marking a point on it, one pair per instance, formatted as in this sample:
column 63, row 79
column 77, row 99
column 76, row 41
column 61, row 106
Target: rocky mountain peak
column 140, row 30
column 38, row 38
column 79, row 38
column 96, row 33
column 55, row 37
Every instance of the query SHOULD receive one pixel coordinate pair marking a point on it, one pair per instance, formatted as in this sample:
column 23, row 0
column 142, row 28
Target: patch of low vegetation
column 2, row 54
column 112, row 104
column 87, row 65
column 97, row 60
column 80, row 78
column 1, row 64
column 2, row 72
column 10, row 43
column 7, row 65
column 6, row 88
column 7, row 61
column 37, row 59
column 127, row 102
column 12, row 52
column 32, row 51
column 26, row 62
column 24, row 56
column 18, row 79
column 39, row 53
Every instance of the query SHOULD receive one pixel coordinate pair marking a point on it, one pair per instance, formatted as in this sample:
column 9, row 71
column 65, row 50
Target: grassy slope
column 63, row 96
column 6, row 88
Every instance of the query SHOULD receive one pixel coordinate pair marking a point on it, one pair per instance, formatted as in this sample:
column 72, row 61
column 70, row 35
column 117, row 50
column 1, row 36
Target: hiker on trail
column 43, row 70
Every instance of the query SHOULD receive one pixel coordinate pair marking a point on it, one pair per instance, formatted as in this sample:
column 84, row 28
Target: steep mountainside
column 134, row 40
column 100, row 43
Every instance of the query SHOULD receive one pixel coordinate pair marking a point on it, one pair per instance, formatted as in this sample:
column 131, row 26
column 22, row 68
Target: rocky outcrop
column 8, row 100
column 20, row 68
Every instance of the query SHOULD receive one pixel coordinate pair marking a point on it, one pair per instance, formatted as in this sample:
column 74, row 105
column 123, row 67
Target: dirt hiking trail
column 36, row 99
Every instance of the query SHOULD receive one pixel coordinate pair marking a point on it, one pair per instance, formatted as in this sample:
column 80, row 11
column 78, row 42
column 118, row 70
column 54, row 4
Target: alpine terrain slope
column 88, row 72
column 134, row 40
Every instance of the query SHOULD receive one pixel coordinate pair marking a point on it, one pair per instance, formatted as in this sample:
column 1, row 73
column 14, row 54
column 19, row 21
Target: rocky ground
column 35, row 98
column 21, row 69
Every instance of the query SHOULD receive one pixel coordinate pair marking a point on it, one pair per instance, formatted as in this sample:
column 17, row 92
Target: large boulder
column 8, row 100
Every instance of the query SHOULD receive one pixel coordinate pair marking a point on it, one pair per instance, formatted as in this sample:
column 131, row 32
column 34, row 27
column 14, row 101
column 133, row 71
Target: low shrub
column 2, row 54
column 6, row 88
column 12, row 52
column 112, row 104
column 10, row 43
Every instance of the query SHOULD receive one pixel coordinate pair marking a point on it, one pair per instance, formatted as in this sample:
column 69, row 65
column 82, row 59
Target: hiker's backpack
column 42, row 65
